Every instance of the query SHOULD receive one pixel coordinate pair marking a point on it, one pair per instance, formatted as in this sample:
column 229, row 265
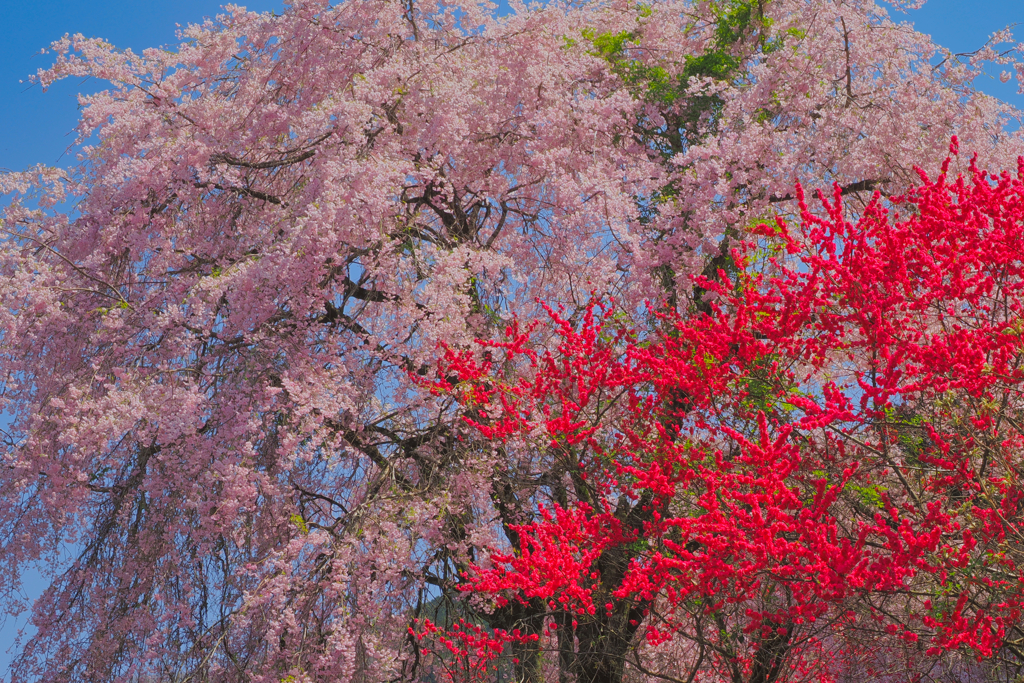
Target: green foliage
column 909, row 432
column 740, row 29
column 870, row 496
column 649, row 82
column 608, row 45
column 765, row 386
column 300, row 523
column 736, row 19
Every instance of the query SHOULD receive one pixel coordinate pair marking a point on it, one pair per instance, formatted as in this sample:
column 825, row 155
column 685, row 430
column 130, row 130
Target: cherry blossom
column 217, row 324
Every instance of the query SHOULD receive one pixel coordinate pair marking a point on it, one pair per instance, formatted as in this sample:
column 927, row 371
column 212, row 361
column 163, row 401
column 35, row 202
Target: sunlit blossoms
column 227, row 440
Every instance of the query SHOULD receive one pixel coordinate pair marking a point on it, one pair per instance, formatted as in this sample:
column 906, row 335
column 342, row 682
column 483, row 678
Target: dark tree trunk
column 602, row 652
column 770, row 657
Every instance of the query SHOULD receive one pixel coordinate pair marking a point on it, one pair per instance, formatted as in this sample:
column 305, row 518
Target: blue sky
column 34, row 124
column 35, row 127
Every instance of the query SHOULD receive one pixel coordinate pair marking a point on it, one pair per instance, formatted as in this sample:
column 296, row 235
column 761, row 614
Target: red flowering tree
column 819, row 479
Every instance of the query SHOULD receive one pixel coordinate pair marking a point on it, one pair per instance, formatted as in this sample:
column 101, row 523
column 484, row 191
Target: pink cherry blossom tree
column 211, row 324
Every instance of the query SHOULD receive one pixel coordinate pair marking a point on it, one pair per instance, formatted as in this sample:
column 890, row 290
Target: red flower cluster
column 825, row 468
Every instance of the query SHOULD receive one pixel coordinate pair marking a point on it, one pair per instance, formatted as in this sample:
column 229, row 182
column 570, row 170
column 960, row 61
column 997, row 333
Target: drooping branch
column 859, row 186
